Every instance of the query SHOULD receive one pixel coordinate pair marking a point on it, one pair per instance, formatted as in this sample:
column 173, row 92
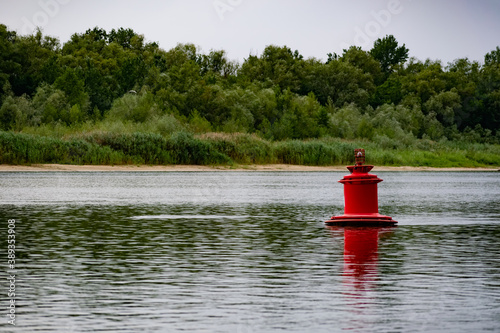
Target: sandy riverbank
column 191, row 168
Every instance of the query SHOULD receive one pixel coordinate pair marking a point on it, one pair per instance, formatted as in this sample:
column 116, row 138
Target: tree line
column 381, row 95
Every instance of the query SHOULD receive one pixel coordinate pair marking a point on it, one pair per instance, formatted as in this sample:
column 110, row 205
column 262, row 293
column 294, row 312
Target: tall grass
column 18, row 148
column 104, row 147
column 314, row 152
column 149, row 148
column 241, row 148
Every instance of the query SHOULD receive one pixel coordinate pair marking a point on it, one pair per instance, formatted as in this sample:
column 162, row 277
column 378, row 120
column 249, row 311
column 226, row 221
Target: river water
column 249, row 252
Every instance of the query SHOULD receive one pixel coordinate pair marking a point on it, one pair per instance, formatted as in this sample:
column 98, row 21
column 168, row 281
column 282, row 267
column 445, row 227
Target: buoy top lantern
column 360, row 197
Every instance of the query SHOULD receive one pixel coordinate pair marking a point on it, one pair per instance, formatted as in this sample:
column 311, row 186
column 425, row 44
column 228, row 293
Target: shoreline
column 204, row 168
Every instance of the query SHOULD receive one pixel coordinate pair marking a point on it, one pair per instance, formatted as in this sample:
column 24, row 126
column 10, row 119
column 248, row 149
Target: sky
column 431, row 29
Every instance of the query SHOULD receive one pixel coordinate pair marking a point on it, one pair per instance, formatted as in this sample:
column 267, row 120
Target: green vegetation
column 113, row 98
column 228, row 149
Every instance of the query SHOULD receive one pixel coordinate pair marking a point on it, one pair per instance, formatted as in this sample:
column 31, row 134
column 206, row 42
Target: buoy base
column 362, row 220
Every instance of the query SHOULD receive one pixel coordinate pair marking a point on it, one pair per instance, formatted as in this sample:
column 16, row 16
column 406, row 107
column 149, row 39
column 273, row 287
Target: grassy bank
column 108, row 148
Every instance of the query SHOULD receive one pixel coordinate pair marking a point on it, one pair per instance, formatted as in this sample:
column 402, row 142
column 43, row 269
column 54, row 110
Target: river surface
column 249, row 252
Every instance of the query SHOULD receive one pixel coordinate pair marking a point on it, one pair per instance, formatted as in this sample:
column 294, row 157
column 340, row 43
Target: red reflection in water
column 360, row 258
column 360, row 271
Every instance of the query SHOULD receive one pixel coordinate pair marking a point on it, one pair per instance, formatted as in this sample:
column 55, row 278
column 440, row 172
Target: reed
column 150, row 148
column 103, row 147
column 242, row 148
column 19, row 148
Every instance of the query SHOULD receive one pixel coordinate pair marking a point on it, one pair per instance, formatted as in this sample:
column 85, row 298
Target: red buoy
column 360, row 197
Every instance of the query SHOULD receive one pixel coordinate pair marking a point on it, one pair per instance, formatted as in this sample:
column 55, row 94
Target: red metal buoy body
column 360, row 196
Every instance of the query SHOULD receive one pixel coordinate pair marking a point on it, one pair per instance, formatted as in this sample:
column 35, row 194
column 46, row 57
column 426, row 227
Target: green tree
column 26, row 58
column 134, row 107
column 112, row 64
column 278, row 65
column 345, row 121
column 444, row 105
column 307, row 111
column 198, row 123
column 253, row 104
column 388, row 52
column 216, row 63
column 132, row 74
column 126, row 38
column 17, row 113
column 364, row 61
column 51, row 104
column 388, row 92
column 8, row 64
column 8, row 113
column 488, row 91
column 339, row 82
column 98, row 86
column 492, row 57
column 299, row 117
column 73, row 86
column 423, row 80
column 463, row 76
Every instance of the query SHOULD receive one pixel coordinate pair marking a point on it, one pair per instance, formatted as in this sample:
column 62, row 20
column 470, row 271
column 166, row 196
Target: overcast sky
column 435, row 29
